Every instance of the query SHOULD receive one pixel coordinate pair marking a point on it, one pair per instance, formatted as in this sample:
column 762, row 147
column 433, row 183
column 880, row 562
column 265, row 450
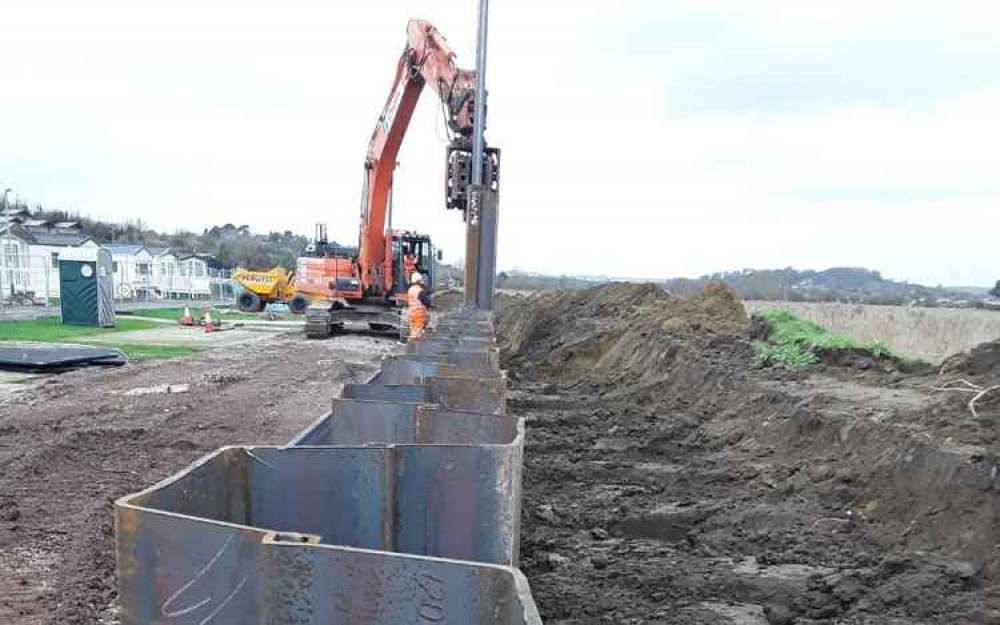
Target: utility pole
column 7, row 254
column 482, row 218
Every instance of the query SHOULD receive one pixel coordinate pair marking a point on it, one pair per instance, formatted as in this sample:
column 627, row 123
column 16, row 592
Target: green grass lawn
column 794, row 341
column 147, row 351
column 52, row 330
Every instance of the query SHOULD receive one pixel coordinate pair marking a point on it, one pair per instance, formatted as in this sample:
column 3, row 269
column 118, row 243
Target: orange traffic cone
column 209, row 325
column 187, row 319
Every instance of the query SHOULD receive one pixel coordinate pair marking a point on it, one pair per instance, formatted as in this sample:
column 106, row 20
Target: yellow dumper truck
column 261, row 288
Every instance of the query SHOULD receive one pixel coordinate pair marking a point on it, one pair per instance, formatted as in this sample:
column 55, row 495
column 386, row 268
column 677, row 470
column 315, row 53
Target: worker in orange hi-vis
column 418, row 300
column 409, row 264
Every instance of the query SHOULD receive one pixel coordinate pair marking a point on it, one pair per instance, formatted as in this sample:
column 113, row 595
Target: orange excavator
column 368, row 284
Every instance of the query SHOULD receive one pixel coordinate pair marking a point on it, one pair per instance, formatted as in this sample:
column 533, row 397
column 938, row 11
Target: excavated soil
column 72, row 445
column 668, row 479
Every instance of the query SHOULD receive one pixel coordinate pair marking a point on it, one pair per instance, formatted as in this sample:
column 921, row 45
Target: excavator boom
column 366, row 286
column 427, row 60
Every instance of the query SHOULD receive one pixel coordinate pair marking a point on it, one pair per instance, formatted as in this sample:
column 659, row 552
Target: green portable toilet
column 86, row 289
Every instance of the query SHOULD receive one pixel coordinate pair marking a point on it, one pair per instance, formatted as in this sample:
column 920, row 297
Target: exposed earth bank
column 671, row 479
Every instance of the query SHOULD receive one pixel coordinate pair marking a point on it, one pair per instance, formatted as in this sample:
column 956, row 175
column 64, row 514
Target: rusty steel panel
column 398, row 371
column 217, row 573
column 408, row 393
column 400, row 505
column 476, row 394
column 437, row 347
column 363, row 422
column 391, row 498
column 460, row 502
column 353, row 587
column 474, row 362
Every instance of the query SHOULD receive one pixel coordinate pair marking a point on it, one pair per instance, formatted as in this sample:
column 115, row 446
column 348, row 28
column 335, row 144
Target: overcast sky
column 641, row 138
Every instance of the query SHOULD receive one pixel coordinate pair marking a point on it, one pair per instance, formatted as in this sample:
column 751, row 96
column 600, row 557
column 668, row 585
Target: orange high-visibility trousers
column 418, row 323
column 417, row 314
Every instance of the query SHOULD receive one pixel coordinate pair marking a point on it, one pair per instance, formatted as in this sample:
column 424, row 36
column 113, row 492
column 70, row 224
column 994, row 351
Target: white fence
column 215, row 284
column 35, row 279
column 24, row 279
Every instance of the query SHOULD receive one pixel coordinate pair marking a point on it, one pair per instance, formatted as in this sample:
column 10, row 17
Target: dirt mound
column 716, row 310
column 984, row 359
column 615, row 333
column 546, row 317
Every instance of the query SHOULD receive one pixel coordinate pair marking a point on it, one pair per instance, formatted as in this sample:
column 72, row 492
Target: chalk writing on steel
column 170, row 612
column 431, row 608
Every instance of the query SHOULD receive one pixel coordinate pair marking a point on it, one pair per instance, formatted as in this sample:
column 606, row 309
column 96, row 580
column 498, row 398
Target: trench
column 672, row 481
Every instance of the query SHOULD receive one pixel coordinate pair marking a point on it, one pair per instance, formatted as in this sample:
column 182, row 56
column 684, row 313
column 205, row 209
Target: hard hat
column 416, row 278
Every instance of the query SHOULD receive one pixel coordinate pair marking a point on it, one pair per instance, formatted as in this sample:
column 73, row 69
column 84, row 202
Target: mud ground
column 74, row 443
column 669, row 479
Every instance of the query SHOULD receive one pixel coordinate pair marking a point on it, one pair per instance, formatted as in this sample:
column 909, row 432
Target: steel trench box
column 383, row 511
column 433, row 346
column 227, row 575
column 466, row 393
column 473, row 362
column 414, row 371
column 460, row 502
column 366, row 422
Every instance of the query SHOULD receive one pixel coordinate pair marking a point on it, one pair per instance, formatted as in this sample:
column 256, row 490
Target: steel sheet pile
column 401, row 505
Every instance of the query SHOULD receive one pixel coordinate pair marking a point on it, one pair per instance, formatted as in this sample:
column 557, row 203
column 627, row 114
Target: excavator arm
column 427, row 60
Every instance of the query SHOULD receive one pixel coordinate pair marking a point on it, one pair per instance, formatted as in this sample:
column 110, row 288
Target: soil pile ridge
column 984, row 359
column 617, row 332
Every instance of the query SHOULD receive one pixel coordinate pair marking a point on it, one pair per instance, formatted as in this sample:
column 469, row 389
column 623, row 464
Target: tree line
column 233, row 245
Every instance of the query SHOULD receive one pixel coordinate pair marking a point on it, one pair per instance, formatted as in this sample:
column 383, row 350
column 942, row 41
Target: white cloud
column 640, row 138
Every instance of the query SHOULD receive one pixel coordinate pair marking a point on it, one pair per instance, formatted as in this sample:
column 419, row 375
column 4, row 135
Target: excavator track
column 318, row 322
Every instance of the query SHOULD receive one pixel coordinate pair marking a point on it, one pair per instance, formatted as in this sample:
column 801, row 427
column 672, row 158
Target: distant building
column 200, row 273
column 29, row 262
column 29, row 257
column 132, row 265
column 15, row 215
column 165, row 270
column 161, row 272
column 21, row 217
column 67, row 226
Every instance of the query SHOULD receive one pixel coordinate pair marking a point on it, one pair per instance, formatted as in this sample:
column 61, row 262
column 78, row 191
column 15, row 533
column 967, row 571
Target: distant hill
column 530, row 281
column 839, row 284
column 975, row 291
column 843, row 284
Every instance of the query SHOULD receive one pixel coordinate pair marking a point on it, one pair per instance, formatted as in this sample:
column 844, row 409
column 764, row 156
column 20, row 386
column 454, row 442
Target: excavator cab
column 411, row 252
